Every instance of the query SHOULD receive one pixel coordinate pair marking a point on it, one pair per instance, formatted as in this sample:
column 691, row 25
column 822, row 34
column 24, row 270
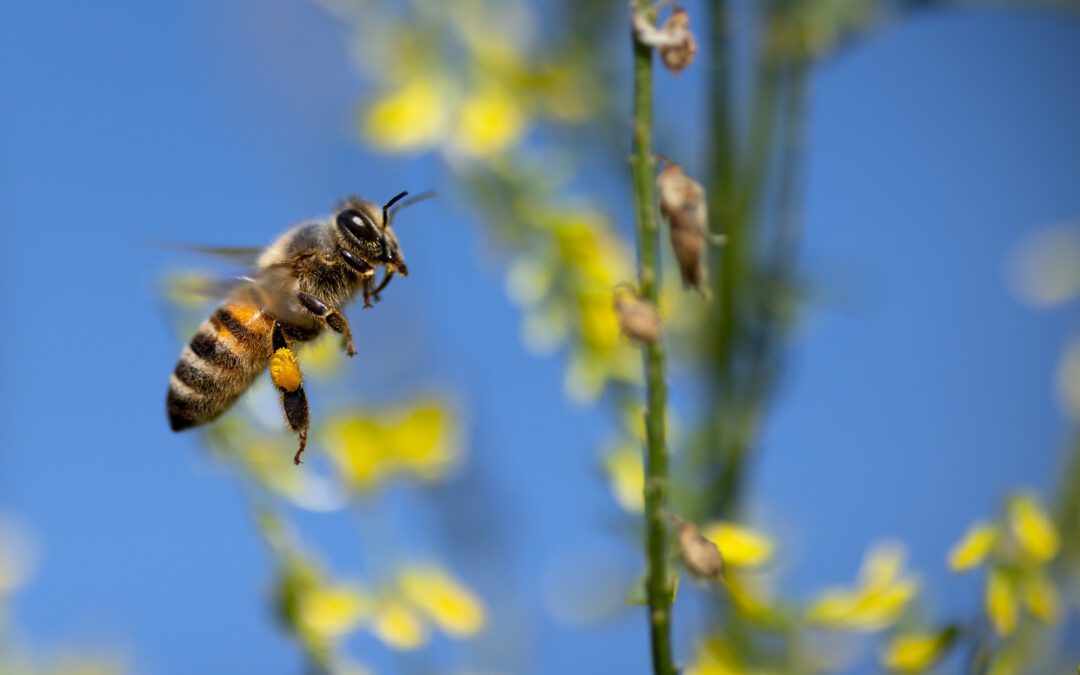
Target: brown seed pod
column 682, row 49
column 702, row 557
column 674, row 40
column 682, row 202
column 638, row 318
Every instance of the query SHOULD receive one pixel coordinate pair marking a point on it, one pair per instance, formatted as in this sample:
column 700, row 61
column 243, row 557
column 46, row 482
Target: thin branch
column 642, row 168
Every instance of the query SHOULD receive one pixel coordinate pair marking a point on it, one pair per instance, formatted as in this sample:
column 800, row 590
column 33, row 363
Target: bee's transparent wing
column 194, row 290
column 242, row 256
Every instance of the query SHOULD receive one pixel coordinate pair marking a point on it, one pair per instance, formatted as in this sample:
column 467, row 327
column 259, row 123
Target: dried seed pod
column 638, row 318
column 702, row 557
column 677, row 56
column 682, row 202
column 674, row 40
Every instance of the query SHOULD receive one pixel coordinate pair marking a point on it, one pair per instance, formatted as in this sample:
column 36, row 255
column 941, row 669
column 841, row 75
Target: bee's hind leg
column 332, row 317
column 285, row 373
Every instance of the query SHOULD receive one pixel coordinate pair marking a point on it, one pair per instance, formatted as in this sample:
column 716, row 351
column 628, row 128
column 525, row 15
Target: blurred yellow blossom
column 1040, row 596
column 1001, row 602
column 626, row 471
column 973, row 549
column 740, row 545
column 564, row 285
column 715, row 656
column 408, row 118
column 877, row 601
column 883, row 565
column 443, row 599
column 913, row 652
column 1032, row 528
column 489, row 121
column 419, row 440
column 748, row 593
column 1017, row 567
column 495, row 32
column 330, row 612
column 1005, row 663
column 267, row 459
column 398, row 625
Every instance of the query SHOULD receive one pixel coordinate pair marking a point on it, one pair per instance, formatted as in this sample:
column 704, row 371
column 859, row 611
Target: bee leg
column 332, row 317
column 285, row 373
column 385, row 280
column 367, row 294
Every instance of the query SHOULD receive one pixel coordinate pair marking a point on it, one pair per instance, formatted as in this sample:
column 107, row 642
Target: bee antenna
column 428, row 194
column 393, row 200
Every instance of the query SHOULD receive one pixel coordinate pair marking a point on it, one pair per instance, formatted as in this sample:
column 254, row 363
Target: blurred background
column 875, row 417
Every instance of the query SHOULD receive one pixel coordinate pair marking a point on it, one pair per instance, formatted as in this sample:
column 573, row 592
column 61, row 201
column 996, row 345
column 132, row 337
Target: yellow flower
column 916, row 651
column 715, row 657
column 876, row 601
column 740, row 545
column 445, row 601
column 627, row 473
column 1005, row 663
column 863, row 608
column 599, row 326
column 747, row 594
column 411, row 117
column 882, row 565
column 1001, row 602
column 565, row 94
column 419, row 440
column 267, row 461
column 972, row 550
column 1034, row 531
column 1040, row 597
column 398, row 625
column 329, row 612
column 489, row 121
column 833, row 606
column 423, row 441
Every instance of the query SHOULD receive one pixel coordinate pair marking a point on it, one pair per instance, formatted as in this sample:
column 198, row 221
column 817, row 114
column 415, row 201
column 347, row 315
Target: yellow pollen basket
column 284, row 370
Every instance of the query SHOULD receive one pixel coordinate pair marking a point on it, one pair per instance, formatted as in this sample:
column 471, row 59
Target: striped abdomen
column 228, row 352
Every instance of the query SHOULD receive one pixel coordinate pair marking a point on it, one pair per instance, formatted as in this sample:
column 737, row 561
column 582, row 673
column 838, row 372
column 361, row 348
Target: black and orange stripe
column 224, row 357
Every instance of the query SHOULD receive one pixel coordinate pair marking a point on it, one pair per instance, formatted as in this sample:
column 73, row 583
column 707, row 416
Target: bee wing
column 194, row 290
column 242, row 256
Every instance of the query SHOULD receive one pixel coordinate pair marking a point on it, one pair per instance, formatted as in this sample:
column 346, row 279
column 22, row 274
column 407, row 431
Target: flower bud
column 702, row 557
column 674, row 40
column 638, row 318
column 682, row 202
column 677, row 56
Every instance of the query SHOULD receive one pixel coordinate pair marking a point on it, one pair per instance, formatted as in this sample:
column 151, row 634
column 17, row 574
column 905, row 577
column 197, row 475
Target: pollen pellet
column 284, row 370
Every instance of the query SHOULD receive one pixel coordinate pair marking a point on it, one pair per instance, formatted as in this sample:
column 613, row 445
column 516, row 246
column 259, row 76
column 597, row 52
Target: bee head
column 364, row 231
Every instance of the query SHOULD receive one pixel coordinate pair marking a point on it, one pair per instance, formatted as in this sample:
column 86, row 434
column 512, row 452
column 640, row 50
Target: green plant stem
column 642, row 168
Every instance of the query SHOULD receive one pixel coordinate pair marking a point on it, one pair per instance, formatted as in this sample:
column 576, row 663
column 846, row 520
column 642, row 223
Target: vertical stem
column 642, row 168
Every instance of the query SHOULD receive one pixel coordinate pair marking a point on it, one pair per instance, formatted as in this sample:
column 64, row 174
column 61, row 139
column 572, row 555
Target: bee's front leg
column 285, row 373
column 368, row 294
column 387, row 276
column 332, row 317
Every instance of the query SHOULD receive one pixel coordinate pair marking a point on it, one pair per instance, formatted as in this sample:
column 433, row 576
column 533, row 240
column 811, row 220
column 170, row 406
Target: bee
column 297, row 289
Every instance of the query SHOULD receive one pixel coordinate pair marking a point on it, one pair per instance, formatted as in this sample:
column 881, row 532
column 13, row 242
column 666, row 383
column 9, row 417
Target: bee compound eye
column 358, row 224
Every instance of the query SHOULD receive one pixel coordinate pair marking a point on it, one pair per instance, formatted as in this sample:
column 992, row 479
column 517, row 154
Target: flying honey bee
column 297, row 289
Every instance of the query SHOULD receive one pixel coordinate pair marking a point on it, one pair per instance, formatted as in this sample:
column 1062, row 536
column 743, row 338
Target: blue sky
column 918, row 391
